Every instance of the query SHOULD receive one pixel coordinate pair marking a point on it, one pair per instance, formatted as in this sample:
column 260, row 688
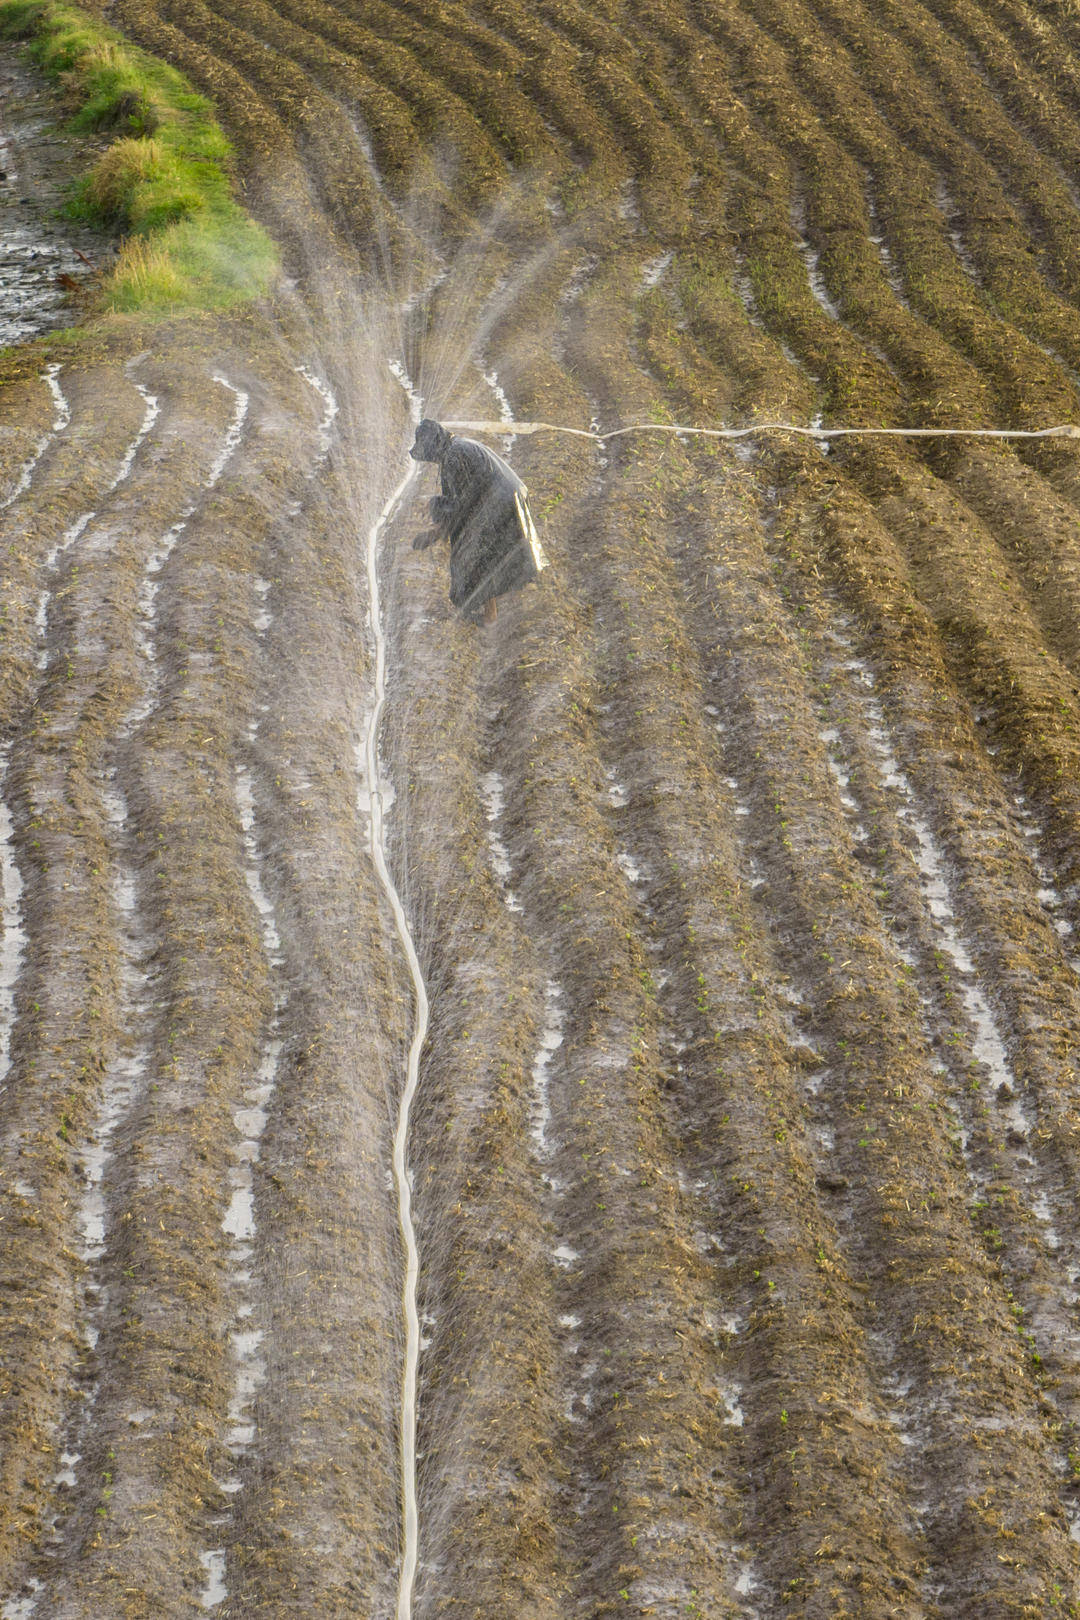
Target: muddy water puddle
column 14, row 935
column 45, row 261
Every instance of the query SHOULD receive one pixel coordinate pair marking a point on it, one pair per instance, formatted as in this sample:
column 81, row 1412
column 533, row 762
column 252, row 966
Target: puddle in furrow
column 740, row 806
column 831, row 738
column 325, row 431
column 579, row 279
column 215, row 1590
column 492, row 789
column 263, row 618
column 21, row 1608
column 731, row 1395
column 250, row 1123
column 540, row 1102
column 629, row 868
column 569, row 296
column 618, row 792
column 13, row 947
column 1048, row 895
column 505, row 413
column 654, row 271
column 71, row 534
column 579, row 1398
column 561, row 347
column 233, row 432
column 744, row 1578
column 811, row 257
column 238, row 1223
column 824, row 446
column 60, row 422
column 949, row 212
column 146, row 627
column 746, row 1583
column 744, row 290
column 122, row 1085
column 122, row 1080
column 988, row 1047
column 552, row 1036
column 879, row 240
column 250, row 1120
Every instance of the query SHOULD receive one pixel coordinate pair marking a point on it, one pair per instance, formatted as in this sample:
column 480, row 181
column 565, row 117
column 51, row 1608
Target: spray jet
column 483, row 511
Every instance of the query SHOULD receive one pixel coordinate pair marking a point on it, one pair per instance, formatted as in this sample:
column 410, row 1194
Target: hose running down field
column 374, row 779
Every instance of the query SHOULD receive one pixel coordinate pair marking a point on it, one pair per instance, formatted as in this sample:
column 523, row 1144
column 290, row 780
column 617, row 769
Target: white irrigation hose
column 372, row 763
column 1065, row 430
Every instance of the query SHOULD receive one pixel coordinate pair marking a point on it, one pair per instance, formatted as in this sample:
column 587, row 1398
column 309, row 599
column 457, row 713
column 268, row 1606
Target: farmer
column 482, row 511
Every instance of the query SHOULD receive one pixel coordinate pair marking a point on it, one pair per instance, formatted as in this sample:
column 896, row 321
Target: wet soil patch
column 48, row 264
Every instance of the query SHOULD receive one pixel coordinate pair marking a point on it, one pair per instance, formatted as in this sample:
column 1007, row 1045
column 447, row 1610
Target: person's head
column 431, row 443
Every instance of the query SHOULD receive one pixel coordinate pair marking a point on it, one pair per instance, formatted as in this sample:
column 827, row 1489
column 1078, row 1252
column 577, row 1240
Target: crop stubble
column 781, row 1316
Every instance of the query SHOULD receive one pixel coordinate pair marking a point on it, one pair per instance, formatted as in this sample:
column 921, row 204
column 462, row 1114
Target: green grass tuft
column 164, row 180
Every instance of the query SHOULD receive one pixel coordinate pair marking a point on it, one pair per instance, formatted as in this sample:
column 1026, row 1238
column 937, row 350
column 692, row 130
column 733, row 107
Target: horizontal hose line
column 1065, row 430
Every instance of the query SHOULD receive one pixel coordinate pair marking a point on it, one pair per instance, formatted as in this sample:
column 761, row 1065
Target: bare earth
column 742, row 854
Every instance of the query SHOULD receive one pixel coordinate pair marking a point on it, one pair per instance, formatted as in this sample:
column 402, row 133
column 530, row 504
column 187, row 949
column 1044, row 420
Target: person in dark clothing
column 483, row 512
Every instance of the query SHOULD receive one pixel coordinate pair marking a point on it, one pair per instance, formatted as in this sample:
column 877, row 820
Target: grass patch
column 164, row 180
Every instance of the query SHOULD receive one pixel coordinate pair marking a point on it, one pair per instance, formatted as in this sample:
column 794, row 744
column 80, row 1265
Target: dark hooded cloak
column 483, row 510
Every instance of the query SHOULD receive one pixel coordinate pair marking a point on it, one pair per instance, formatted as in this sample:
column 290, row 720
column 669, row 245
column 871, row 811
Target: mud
column 740, row 855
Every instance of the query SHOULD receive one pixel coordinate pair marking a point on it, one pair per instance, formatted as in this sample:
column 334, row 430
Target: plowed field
column 741, row 855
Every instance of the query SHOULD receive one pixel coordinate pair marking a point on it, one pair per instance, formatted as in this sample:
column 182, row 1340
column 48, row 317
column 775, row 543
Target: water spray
column 369, row 753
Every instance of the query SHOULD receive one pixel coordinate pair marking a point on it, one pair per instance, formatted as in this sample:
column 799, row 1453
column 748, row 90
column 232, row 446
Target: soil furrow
column 138, row 1516
column 13, row 947
column 32, row 433
column 320, row 1473
column 80, row 468
column 719, row 978
column 828, row 934
column 990, row 1107
column 740, row 853
column 76, row 961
